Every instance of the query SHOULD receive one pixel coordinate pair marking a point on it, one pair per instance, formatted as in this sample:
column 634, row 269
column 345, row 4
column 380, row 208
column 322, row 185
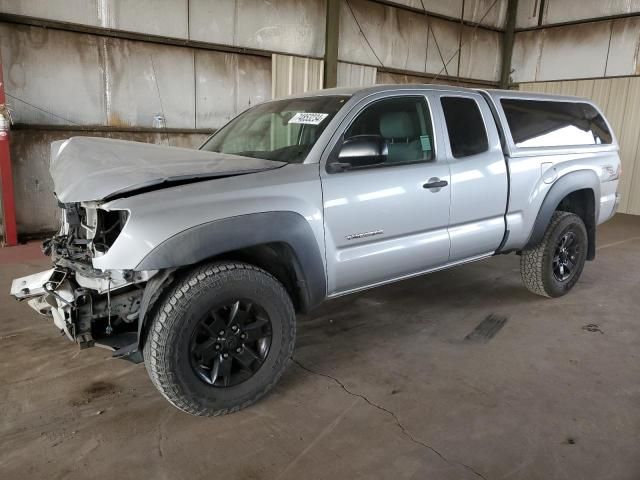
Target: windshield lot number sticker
column 308, row 118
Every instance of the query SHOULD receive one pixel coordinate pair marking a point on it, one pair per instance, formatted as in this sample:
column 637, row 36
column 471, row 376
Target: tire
column 187, row 370
column 541, row 267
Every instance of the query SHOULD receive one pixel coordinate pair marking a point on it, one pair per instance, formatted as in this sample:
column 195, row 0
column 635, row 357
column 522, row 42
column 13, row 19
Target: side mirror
column 361, row 151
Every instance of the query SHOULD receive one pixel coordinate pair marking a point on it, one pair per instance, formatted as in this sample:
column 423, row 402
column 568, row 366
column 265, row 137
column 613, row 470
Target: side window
column 545, row 123
column 467, row 133
column 404, row 123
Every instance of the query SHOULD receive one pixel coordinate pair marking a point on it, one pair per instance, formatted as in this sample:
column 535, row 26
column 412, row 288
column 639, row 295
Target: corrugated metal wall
column 571, row 40
column 124, row 83
column 385, row 37
column 595, row 49
column 474, row 10
column 287, row 26
column 619, row 98
column 562, row 11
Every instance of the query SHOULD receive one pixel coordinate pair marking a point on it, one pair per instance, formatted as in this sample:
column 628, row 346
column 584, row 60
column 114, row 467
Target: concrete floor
column 384, row 385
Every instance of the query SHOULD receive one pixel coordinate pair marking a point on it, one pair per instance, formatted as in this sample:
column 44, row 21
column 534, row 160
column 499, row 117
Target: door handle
column 436, row 183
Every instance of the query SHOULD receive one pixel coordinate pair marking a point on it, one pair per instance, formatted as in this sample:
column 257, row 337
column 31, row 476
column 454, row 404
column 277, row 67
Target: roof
column 496, row 93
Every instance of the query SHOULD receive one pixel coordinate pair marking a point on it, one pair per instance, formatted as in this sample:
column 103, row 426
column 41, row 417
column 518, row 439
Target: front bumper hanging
column 91, row 307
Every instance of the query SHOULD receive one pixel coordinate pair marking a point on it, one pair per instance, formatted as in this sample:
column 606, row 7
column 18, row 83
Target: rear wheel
column 555, row 265
column 220, row 339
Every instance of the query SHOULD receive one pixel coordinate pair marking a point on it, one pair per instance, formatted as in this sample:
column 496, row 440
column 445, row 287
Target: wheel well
column 279, row 260
column 582, row 203
column 276, row 258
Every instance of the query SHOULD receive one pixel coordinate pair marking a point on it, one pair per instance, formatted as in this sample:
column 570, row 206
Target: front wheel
column 220, row 339
column 554, row 266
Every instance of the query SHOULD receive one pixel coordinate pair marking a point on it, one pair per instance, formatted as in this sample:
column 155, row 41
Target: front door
column 387, row 221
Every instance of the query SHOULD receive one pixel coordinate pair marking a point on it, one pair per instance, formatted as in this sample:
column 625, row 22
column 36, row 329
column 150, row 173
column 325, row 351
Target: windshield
column 283, row 130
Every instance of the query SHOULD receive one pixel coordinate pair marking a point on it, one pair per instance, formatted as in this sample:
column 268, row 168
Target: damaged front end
column 94, row 292
column 91, row 307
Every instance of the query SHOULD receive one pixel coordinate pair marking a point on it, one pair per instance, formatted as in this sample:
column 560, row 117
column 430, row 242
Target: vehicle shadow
column 447, row 296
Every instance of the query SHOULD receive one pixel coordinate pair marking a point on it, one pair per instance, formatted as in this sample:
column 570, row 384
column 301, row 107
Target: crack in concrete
column 162, row 435
column 400, row 425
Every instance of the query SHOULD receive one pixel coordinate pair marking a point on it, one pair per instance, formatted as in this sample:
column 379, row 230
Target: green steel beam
column 332, row 36
column 507, row 43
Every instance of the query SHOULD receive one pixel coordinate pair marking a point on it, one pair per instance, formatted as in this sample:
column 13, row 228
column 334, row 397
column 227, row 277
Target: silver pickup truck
column 196, row 261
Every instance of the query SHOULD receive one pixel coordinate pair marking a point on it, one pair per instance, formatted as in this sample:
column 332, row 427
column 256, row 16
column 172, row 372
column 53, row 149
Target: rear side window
column 467, row 134
column 540, row 123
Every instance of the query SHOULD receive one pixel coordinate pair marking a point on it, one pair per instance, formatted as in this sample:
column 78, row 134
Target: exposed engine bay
column 91, row 306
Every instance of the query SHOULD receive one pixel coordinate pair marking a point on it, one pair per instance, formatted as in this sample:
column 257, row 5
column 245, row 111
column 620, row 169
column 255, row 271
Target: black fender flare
column 568, row 183
column 217, row 237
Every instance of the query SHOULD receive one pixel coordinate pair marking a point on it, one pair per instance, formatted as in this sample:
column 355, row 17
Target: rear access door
column 479, row 178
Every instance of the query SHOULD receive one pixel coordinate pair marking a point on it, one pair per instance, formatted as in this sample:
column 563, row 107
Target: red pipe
column 6, row 177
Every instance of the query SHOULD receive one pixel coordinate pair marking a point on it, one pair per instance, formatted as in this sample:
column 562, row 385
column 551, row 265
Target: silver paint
column 85, row 168
column 420, row 230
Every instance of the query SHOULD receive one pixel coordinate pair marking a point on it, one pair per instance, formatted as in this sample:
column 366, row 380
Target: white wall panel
column 444, row 39
column 525, row 60
column 411, row 41
column 227, row 84
column 390, row 36
column 558, row 11
column 142, row 79
column 561, row 11
column 452, row 8
column 156, row 17
column 394, row 38
column 213, row 22
column 292, row 26
column 575, row 51
column 623, row 52
column 481, row 54
column 350, row 75
column 527, row 14
column 32, row 59
column 619, row 98
column 486, row 12
column 595, row 49
column 291, row 75
column 76, row 11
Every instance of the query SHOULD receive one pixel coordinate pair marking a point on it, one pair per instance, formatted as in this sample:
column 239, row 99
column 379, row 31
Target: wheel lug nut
column 243, row 336
column 234, row 328
column 221, row 332
column 217, row 347
column 225, row 355
column 239, row 349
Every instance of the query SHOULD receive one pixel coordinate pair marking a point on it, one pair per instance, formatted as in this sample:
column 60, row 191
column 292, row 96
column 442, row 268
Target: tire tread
column 532, row 262
column 169, row 314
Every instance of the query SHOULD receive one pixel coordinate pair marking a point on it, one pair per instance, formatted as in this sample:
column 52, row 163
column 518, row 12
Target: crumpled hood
column 86, row 168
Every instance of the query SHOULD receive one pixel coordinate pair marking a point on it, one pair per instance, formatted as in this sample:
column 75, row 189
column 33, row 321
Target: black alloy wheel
column 553, row 267
column 565, row 257
column 230, row 344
